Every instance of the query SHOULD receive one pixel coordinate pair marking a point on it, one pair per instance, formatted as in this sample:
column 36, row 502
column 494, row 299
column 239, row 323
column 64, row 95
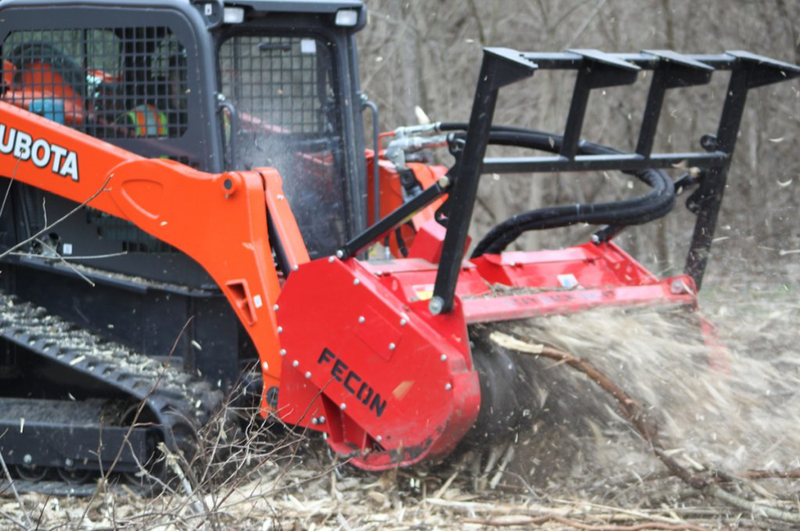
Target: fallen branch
column 635, row 414
column 539, row 520
column 771, row 474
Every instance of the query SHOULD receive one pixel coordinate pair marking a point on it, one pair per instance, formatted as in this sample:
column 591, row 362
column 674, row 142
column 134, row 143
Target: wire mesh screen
column 106, row 82
column 113, row 83
column 286, row 104
column 281, row 81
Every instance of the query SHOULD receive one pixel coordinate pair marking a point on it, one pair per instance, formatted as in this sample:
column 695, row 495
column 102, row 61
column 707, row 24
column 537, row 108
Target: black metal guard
column 502, row 67
column 596, row 69
column 385, row 225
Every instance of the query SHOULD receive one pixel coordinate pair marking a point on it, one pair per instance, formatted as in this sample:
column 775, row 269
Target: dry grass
column 580, row 463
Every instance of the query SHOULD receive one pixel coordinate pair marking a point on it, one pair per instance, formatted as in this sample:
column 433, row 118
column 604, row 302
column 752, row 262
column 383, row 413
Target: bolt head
column 308, row 374
column 342, row 406
column 356, row 282
column 379, row 438
column 361, row 319
column 314, row 421
column 265, row 366
column 339, row 254
column 448, row 386
column 322, row 420
column 677, row 287
column 276, row 308
column 283, row 352
column 392, row 346
column 436, row 305
column 403, row 322
column 444, row 357
column 295, row 363
column 69, row 462
column 331, row 259
column 27, row 459
column 280, row 329
column 295, row 267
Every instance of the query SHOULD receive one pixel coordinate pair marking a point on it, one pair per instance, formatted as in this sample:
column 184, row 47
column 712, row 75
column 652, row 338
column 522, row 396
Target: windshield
column 286, row 116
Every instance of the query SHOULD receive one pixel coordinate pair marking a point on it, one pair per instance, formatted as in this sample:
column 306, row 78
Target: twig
column 61, row 259
column 8, row 189
column 769, row 474
column 73, row 257
column 135, row 420
column 13, row 520
column 56, row 222
column 172, row 462
column 538, row 520
column 634, row 413
column 14, row 490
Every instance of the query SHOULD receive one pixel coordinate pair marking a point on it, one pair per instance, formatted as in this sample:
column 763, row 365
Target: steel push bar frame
column 595, row 69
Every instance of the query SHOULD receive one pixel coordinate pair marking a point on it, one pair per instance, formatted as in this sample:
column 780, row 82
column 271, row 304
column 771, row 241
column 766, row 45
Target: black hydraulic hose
column 657, row 203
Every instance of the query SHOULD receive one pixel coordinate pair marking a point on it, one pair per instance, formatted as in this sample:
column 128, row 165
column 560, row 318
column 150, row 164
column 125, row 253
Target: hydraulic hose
column 636, row 211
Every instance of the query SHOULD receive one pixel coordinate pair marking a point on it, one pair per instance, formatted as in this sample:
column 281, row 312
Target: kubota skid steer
column 196, row 170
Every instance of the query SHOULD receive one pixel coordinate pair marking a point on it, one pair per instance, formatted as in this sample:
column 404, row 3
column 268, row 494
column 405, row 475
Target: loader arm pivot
column 219, row 220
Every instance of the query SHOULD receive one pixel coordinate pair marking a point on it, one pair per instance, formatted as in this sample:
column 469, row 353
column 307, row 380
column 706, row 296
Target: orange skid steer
column 197, row 170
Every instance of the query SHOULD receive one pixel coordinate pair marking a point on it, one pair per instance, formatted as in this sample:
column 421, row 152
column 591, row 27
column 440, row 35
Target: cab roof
column 298, row 6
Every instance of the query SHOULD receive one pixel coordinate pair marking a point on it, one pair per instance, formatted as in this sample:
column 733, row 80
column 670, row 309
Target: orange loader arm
column 218, row 220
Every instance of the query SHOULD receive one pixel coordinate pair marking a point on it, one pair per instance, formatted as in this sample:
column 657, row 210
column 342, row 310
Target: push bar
column 597, row 69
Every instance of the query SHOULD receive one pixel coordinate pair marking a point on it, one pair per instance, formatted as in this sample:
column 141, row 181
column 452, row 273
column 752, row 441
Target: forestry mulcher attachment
column 190, row 207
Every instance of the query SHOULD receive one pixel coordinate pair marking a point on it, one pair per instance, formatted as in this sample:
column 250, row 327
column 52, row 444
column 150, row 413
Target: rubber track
column 181, row 402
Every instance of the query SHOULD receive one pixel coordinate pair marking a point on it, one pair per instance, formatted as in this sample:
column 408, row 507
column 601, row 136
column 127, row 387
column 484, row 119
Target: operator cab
column 288, row 85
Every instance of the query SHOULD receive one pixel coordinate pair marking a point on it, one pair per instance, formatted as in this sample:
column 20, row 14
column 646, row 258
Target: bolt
column 595, row 239
column 378, row 438
column 436, row 305
column 280, row 329
column 308, row 374
column 361, row 319
column 283, row 352
column 27, row 459
column 314, row 421
column 403, row 322
column 513, row 264
column 68, row 462
column 322, row 420
column 340, row 254
column 444, row 357
column 295, row 363
column 342, row 406
column 276, row 307
column 448, row 386
column 392, row 346
column 331, row 259
column 356, row 282
column 280, row 196
column 265, row 365
column 295, row 267
column 677, row 287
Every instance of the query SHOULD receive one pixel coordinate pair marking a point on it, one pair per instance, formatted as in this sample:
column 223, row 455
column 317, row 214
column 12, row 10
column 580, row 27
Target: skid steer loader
column 189, row 205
